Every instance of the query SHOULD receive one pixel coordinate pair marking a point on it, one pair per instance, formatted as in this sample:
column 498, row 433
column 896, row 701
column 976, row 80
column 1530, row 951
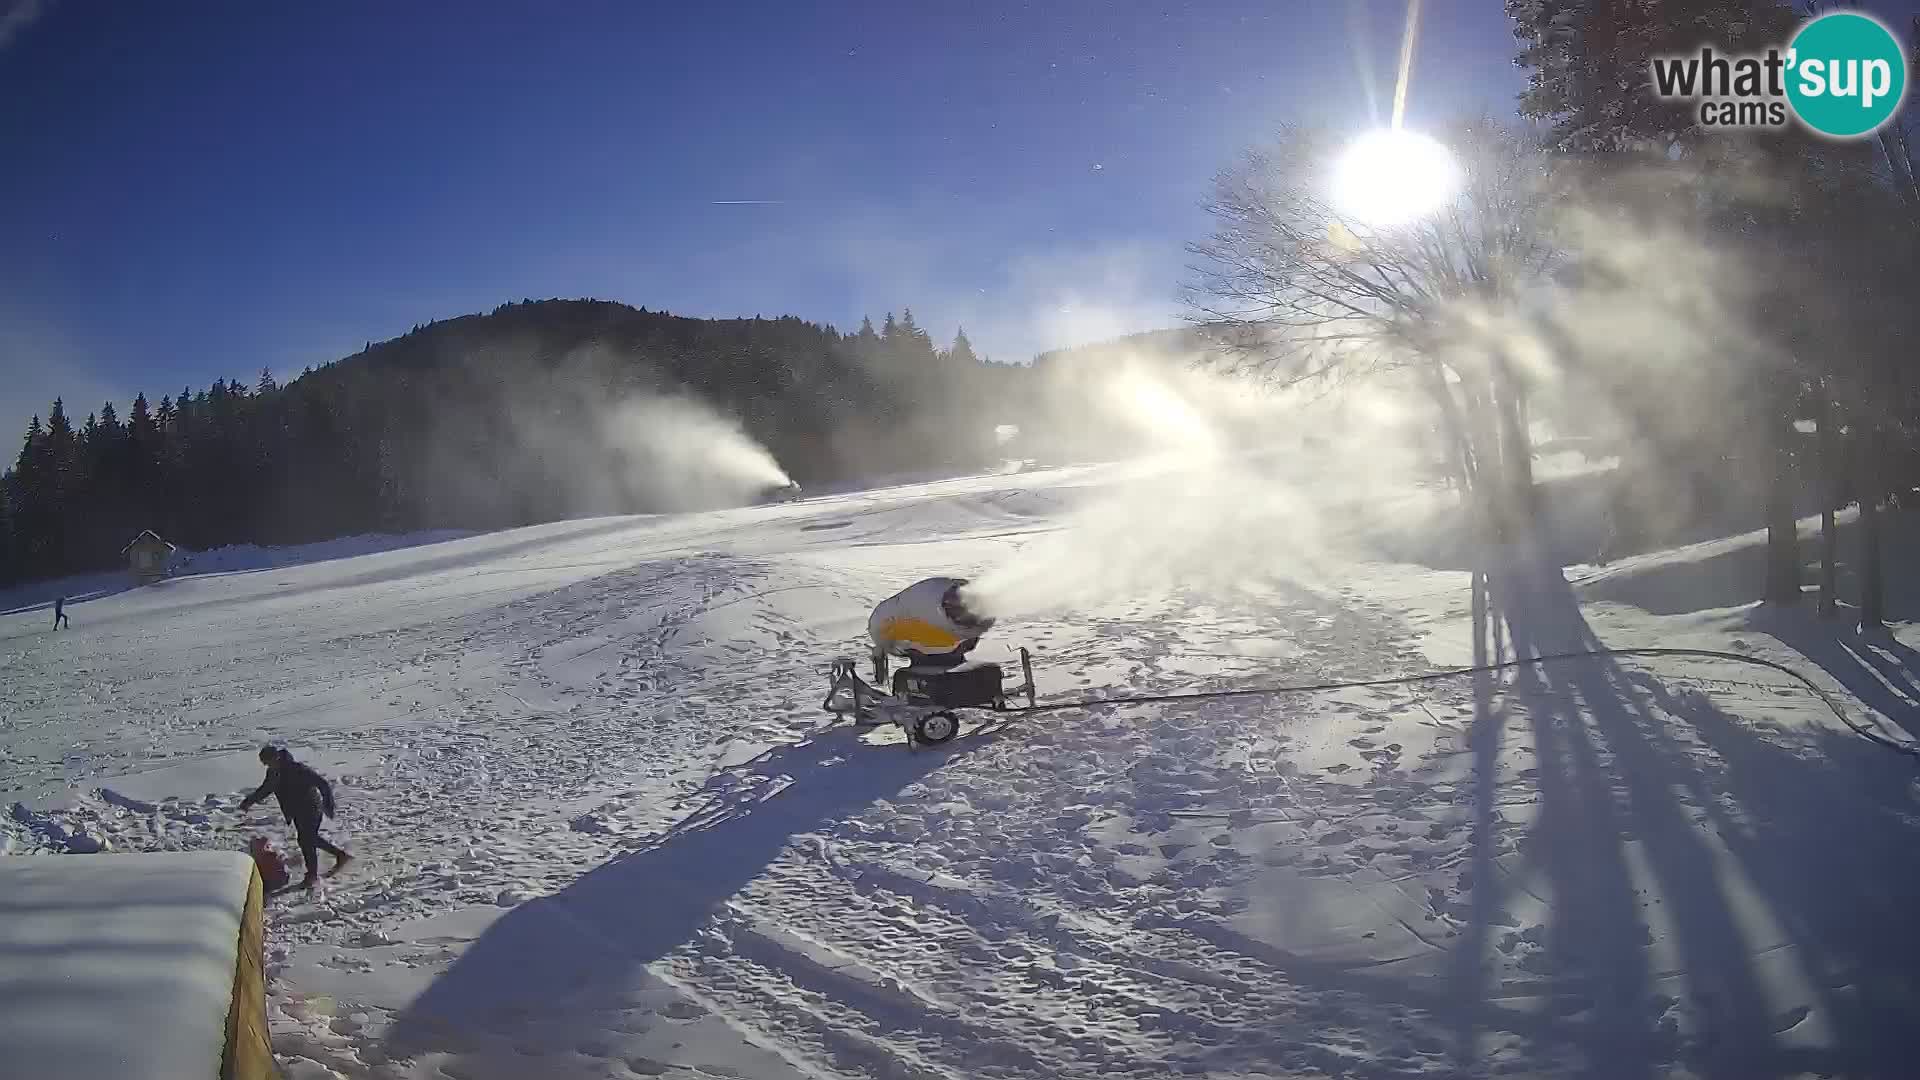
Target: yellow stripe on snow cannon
column 911, row 632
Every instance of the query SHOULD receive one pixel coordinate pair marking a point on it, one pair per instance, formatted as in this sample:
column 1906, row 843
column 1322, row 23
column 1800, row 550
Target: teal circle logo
column 1846, row 75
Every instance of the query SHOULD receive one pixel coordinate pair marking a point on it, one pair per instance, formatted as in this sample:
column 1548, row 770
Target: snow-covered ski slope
column 604, row 831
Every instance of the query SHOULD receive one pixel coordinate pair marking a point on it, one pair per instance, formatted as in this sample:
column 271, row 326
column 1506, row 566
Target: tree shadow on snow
column 1875, row 667
column 583, row 948
column 1828, row 833
column 1635, row 829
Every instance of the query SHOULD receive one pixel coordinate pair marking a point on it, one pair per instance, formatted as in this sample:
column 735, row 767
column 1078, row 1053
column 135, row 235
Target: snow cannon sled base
column 923, row 699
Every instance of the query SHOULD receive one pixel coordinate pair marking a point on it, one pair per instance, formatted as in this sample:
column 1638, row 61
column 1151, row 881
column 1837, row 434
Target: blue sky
column 191, row 191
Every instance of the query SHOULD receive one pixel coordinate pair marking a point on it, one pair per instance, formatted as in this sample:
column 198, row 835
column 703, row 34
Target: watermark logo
column 1843, row 76
column 1849, row 74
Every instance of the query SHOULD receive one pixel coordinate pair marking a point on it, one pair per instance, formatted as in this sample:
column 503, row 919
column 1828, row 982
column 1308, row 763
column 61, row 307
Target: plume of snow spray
column 1649, row 352
column 643, row 449
column 1236, row 485
column 680, row 454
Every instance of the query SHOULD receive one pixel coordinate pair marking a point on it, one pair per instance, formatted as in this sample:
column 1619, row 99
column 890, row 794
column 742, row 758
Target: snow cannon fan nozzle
column 963, row 610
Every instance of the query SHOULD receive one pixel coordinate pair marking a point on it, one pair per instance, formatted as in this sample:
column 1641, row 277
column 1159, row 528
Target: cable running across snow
column 1909, row 749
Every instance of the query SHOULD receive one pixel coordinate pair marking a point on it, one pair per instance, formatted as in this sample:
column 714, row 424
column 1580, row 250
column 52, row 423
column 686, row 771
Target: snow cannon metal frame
column 923, row 699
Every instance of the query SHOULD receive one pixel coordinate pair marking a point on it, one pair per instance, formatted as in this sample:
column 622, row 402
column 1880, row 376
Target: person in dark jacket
column 60, row 613
column 305, row 796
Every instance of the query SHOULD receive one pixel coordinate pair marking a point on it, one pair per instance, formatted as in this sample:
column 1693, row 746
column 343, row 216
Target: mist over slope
column 546, row 410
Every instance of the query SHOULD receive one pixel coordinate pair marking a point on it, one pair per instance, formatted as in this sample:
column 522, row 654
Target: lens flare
column 1393, row 177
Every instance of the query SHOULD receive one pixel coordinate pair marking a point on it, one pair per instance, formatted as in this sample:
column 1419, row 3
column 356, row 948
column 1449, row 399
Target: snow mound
column 119, row 965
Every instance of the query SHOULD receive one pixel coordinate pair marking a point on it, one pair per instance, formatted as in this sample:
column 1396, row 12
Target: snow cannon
column 783, row 493
column 928, row 622
column 930, row 625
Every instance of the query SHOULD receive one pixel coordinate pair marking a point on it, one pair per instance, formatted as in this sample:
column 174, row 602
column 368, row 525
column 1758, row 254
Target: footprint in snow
column 682, row 1010
column 1790, row 1019
column 1340, row 768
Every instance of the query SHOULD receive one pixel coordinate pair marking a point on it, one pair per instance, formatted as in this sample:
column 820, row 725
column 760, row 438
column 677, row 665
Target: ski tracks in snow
column 1007, row 906
column 606, row 831
column 1017, row 911
column 1012, row 905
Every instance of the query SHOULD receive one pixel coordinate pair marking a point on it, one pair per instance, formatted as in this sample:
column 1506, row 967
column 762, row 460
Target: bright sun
column 1391, row 177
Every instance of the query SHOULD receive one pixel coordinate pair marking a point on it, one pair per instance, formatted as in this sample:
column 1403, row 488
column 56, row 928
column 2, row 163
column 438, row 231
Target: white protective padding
column 119, row 966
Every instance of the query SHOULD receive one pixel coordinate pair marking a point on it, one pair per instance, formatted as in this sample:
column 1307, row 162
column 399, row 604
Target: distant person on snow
column 304, row 797
column 928, row 622
column 60, row 613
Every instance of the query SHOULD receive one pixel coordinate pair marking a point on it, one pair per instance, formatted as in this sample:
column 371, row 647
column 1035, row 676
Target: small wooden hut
column 148, row 556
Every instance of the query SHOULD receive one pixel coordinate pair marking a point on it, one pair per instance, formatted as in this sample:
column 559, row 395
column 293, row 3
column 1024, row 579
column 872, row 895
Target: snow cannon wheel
column 936, row 728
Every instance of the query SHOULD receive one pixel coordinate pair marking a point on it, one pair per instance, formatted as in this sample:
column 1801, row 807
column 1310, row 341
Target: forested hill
column 535, row 411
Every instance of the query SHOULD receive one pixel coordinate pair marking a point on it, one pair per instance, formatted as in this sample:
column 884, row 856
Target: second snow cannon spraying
column 930, row 625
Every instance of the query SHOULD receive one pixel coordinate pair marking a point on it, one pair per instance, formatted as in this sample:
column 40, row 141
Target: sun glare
column 1392, row 177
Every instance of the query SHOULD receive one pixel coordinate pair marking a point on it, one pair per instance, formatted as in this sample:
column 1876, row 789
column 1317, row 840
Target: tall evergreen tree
column 962, row 351
column 917, row 337
column 60, row 441
column 10, row 568
column 865, row 346
column 63, row 480
column 139, row 468
column 1589, row 64
column 29, row 447
column 36, row 506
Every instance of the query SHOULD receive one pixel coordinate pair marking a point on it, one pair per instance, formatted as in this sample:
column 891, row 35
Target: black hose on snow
column 1909, row 749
